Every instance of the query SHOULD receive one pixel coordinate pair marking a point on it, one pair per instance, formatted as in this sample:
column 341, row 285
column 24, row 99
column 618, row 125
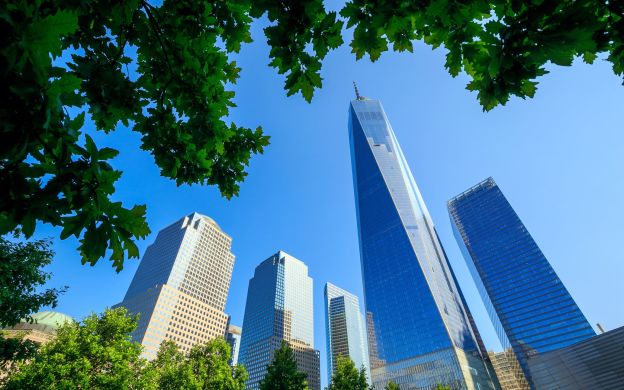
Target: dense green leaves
column 52, row 171
column 392, row 386
column 166, row 71
column 94, row 354
column 300, row 35
column 98, row 354
column 503, row 45
column 347, row 377
column 282, row 373
column 14, row 348
column 21, row 279
column 205, row 367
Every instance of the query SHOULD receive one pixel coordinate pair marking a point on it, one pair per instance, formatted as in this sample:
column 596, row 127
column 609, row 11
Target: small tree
column 392, row 386
column 94, row 354
column 205, row 367
column 347, row 376
column 442, row 387
column 21, row 279
column 282, row 373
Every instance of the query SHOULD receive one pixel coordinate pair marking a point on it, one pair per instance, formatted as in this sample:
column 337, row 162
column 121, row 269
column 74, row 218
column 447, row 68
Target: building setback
column 345, row 329
column 596, row 363
column 419, row 333
column 181, row 285
column 531, row 309
column 279, row 308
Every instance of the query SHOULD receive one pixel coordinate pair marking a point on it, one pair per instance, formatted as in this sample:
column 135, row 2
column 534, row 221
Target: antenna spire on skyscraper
column 357, row 93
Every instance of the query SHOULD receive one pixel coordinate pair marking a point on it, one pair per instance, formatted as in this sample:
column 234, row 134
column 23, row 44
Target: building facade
column 181, row 285
column 419, row 333
column 508, row 370
column 279, row 307
column 345, row 329
column 41, row 330
column 233, row 338
column 531, row 309
column 596, row 363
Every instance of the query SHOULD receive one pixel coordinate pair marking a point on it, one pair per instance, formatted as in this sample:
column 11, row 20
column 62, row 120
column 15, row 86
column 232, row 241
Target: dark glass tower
column 419, row 334
column 531, row 309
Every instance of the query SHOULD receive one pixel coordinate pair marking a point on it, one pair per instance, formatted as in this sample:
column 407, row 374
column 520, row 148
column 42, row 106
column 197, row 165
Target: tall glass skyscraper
column 346, row 332
column 419, row 334
column 181, row 285
column 279, row 307
column 531, row 309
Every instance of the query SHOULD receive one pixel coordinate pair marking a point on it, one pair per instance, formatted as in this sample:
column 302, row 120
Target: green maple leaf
column 45, row 36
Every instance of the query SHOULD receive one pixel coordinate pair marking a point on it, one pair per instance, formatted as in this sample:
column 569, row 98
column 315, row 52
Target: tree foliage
column 205, row 368
column 503, row 45
column 167, row 70
column 392, row 386
column 282, row 373
column 14, row 350
column 21, row 279
column 98, row 353
column 94, row 354
column 348, row 377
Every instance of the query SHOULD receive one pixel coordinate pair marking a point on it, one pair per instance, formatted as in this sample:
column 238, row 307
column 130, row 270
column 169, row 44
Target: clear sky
column 558, row 158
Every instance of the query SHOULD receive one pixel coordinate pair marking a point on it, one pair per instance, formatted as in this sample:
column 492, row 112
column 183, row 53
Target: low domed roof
column 53, row 319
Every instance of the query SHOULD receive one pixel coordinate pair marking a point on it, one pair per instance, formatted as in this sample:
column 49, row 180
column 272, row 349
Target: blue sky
column 558, row 158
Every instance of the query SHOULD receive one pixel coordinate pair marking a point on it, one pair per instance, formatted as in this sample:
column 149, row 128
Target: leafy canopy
column 98, row 354
column 21, row 279
column 392, row 386
column 94, row 354
column 347, row 377
column 167, row 70
column 282, row 373
column 205, row 367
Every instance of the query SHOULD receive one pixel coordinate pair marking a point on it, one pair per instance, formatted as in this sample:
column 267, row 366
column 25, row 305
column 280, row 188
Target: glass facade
column 596, row 363
column 531, row 309
column 279, row 307
column 419, row 334
column 346, row 335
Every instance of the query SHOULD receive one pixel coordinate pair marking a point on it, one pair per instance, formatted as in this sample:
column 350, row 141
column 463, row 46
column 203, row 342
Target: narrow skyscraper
column 419, row 333
column 181, row 285
column 531, row 309
column 346, row 333
column 233, row 338
column 279, row 307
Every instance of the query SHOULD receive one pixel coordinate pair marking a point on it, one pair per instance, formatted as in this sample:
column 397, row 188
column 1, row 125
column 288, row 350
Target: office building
column 181, row 285
column 531, row 309
column 595, row 363
column 345, row 329
column 419, row 333
column 279, row 307
column 233, row 338
column 508, row 370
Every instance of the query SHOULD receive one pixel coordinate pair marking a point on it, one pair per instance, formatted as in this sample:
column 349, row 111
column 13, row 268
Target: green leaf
column 77, row 123
column 44, row 36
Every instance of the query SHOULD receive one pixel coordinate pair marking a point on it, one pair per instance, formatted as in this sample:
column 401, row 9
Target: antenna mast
column 357, row 93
